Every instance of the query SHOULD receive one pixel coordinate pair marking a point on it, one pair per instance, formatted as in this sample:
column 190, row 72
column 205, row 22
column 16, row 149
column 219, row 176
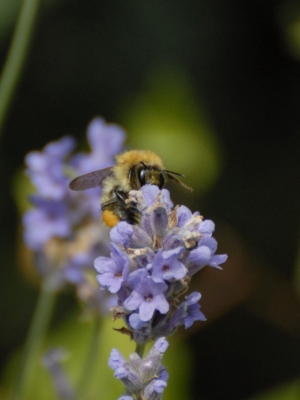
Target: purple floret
column 113, row 271
column 147, row 296
column 166, row 265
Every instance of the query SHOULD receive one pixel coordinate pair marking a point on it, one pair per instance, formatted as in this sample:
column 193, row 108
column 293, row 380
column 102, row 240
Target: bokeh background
column 214, row 88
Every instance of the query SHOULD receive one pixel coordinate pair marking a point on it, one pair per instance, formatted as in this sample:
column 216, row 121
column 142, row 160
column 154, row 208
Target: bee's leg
column 117, row 209
column 108, row 204
column 128, row 211
column 121, row 196
column 117, row 202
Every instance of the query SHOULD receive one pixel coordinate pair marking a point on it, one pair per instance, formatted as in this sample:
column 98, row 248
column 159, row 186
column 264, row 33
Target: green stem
column 37, row 330
column 16, row 55
column 140, row 349
column 90, row 361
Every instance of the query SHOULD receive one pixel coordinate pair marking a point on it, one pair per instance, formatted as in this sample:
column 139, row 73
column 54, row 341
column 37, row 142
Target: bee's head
column 150, row 175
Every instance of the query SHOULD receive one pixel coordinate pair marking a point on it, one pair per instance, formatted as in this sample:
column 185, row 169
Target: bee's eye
column 142, row 177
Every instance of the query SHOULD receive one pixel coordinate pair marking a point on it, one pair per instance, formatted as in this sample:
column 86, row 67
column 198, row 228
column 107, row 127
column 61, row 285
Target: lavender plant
column 150, row 268
column 150, row 265
column 64, row 232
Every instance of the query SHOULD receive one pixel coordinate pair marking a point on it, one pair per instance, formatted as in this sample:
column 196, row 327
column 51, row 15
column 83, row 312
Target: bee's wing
column 90, row 180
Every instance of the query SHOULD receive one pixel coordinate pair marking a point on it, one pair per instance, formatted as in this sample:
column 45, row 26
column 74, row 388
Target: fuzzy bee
column 132, row 170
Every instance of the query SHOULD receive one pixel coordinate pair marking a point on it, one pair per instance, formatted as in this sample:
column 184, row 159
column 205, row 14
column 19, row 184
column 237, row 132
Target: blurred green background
column 214, row 88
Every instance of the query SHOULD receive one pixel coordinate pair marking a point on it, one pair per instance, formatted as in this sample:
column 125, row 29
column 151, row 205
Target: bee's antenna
column 173, row 173
column 171, row 176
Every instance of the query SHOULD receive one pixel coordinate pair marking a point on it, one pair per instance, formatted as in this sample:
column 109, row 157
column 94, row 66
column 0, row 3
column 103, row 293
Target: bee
column 132, row 170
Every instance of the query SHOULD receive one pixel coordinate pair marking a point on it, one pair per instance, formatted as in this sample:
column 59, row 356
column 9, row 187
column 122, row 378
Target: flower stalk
column 139, row 349
column 31, row 353
column 12, row 68
column 90, row 361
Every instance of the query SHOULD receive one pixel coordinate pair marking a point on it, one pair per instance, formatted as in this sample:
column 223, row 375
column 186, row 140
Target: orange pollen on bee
column 110, row 218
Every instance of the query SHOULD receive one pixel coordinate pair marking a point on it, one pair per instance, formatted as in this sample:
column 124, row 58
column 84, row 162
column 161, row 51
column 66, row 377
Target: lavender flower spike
column 62, row 228
column 164, row 257
column 164, row 252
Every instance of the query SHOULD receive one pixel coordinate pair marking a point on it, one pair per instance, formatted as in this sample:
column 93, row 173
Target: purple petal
column 61, row 148
column 48, row 220
column 166, row 198
column 193, row 298
column 121, row 260
column 120, row 234
column 105, row 141
column 209, row 241
column 194, row 314
column 110, row 281
column 161, row 303
column 159, row 221
column 133, row 302
column 165, row 265
column 130, row 236
column 36, row 161
column 111, row 274
column 146, row 310
column 147, row 296
column 161, row 345
column 200, row 256
column 116, row 360
column 177, row 272
column 150, row 193
column 135, row 321
column 216, row 260
column 105, row 138
column 207, row 226
column 183, row 216
column 159, row 385
column 137, row 277
column 172, row 239
column 104, row 265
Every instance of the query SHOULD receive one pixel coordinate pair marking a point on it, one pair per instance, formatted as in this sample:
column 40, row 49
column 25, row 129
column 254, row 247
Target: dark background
column 89, row 58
